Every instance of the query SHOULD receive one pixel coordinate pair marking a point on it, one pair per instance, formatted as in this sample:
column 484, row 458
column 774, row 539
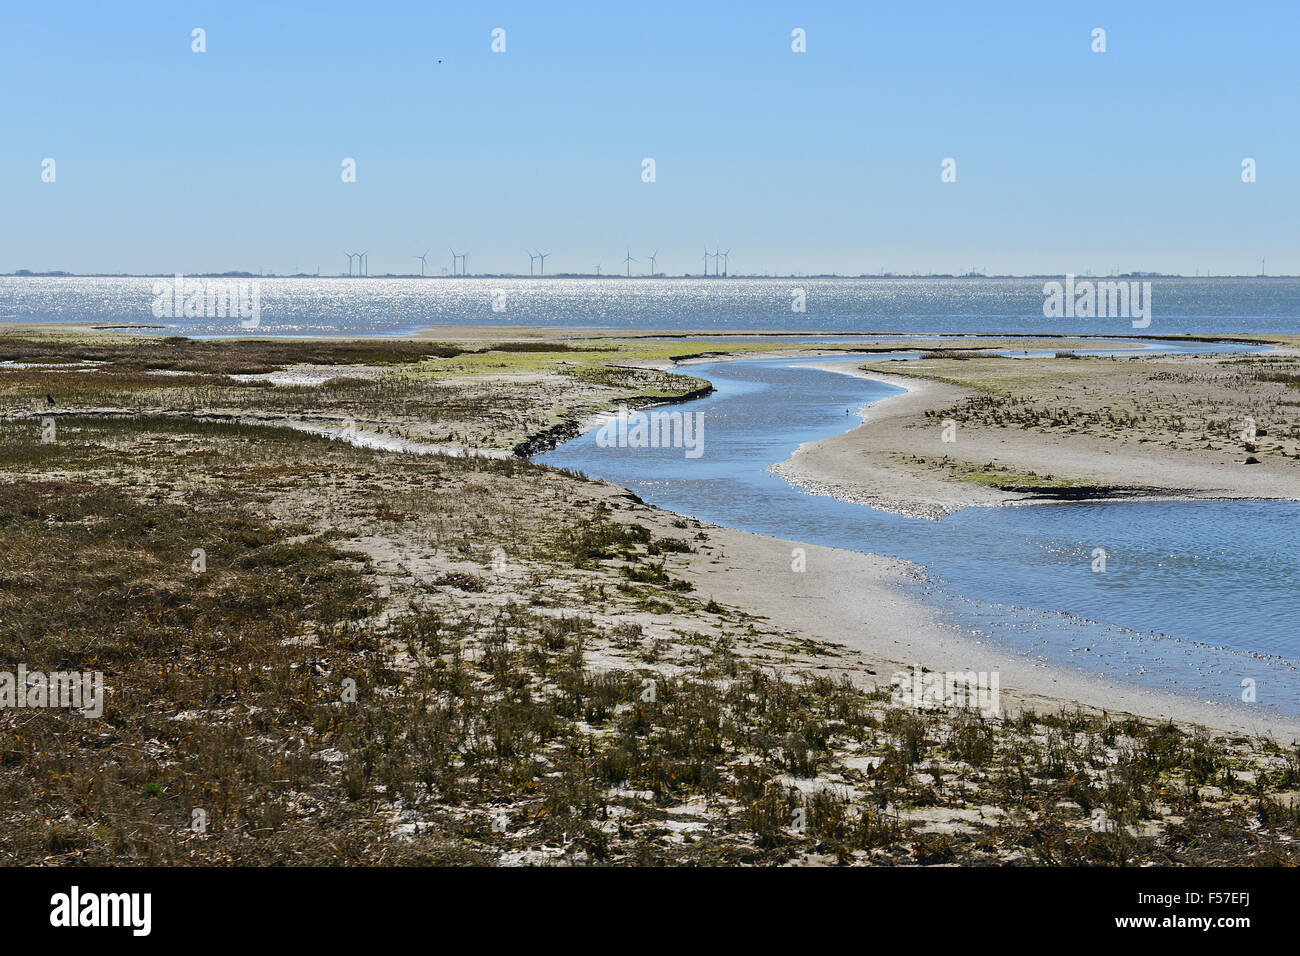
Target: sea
column 399, row 306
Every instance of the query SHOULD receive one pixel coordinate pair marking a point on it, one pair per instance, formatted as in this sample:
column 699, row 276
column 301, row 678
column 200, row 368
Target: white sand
column 854, row 599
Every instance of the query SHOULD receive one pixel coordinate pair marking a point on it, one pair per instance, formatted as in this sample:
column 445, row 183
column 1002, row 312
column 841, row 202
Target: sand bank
column 869, row 463
column 856, row 600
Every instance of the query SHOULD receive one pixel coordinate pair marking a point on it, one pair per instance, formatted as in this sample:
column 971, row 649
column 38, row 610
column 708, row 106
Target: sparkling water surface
column 381, row 306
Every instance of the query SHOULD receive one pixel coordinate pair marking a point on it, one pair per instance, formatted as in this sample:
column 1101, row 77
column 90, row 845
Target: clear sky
column 828, row 160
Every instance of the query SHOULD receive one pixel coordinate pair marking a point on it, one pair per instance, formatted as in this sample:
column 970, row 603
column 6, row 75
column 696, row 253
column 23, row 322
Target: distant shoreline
column 489, row 333
column 56, row 274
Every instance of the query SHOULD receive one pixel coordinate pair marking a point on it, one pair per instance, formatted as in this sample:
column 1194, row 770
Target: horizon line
column 242, row 274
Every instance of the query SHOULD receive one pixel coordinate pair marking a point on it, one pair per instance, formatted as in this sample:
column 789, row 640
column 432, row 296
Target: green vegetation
column 421, row 659
column 1197, row 403
column 423, row 392
column 994, row 475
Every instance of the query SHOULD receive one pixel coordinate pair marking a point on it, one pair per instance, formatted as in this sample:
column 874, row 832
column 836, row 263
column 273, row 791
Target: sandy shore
column 856, row 600
column 864, row 465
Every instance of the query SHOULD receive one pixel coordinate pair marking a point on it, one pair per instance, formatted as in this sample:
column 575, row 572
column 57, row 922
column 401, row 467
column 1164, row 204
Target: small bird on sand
column 49, row 400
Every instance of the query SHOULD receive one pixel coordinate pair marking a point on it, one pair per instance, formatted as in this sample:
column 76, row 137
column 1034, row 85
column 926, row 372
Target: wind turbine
column 364, row 259
column 454, row 256
column 653, row 257
column 542, row 255
column 422, row 259
column 706, row 261
column 629, row 260
column 597, row 268
column 349, row 255
column 724, row 261
column 532, row 256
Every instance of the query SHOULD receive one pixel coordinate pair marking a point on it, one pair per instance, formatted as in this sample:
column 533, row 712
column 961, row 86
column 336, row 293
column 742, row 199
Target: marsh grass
column 545, row 714
column 1188, row 403
column 242, row 356
column 422, row 391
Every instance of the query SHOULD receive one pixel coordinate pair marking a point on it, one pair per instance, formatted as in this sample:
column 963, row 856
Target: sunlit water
column 374, row 306
column 1196, row 596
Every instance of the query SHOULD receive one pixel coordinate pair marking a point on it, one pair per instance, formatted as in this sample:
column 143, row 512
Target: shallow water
column 1196, row 596
column 390, row 306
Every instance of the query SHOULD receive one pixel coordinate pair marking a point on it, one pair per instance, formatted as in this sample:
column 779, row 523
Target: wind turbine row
column 363, row 262
column 537, row 262
column 715, row 256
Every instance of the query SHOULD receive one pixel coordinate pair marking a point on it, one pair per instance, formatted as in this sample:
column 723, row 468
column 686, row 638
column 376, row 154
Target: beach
column 366, row 512
column 854, row 600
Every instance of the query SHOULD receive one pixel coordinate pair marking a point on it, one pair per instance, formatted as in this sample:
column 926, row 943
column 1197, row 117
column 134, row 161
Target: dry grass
column 533, row 681
column 1182, row 403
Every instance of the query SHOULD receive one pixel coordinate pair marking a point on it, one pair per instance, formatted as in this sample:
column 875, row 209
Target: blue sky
column 829, row 160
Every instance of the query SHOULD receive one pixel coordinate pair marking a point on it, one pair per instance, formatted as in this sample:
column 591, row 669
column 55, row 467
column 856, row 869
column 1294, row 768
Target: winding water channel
column 1197, row 594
